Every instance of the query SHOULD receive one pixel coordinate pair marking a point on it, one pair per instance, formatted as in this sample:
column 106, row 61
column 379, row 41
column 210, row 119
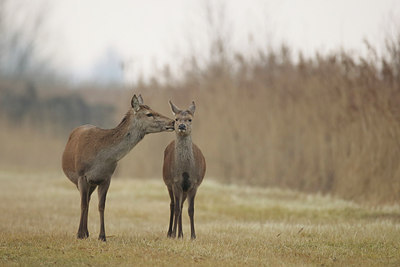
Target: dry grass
column 236, row 226
column 328, row 123
column 24, row 149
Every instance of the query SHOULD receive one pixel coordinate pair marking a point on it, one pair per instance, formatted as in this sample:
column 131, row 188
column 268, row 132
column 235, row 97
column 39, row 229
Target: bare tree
column 19, row 49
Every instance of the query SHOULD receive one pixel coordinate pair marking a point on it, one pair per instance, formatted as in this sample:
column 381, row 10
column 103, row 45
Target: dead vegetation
column 236, row 225
column 327, row 123
column 324, row 124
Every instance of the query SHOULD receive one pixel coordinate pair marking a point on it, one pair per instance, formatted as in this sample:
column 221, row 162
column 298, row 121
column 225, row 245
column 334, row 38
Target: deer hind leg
column 171, row 216
column 102, row 193
column 191, row 197
column 84, row 190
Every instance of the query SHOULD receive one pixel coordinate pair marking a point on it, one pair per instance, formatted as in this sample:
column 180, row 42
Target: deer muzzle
column 182, row 127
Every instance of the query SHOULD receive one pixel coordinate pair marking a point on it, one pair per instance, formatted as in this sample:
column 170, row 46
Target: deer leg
column 102, row 193
column 171, row 216
column 180, row 230
column 85, row 220
column 192, row 195
column 177, row 209
column 84, row 191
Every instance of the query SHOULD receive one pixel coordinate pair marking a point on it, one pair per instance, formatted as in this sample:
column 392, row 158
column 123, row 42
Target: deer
column 183, row 170
column 91, row 155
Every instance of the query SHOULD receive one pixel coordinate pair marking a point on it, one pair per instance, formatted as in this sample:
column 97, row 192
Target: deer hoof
column 102, row 238
column 172, row 235
column 81, row 235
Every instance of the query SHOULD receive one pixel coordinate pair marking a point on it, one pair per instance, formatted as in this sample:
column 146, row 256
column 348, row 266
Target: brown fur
column 91, row 154
column 183, row 171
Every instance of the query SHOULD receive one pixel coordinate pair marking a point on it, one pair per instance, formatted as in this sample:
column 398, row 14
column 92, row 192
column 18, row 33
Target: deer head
column 150, row 121
column 183, row 119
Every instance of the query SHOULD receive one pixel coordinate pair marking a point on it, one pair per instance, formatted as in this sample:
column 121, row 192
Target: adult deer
column 91, row 155
column 183, row 170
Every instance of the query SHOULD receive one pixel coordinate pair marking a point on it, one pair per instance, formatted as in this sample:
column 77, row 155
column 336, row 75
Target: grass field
column 235, row 226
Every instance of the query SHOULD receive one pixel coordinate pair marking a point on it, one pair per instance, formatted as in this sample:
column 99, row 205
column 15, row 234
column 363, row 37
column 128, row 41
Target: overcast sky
column 83, row 35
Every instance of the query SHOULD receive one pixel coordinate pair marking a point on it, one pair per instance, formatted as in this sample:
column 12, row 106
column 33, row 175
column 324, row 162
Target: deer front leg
column 91, row 189
column 177, row 209
column 84, row 192
column 180, row 229
column 192, row 195
column 171, row 216
column 102, row 193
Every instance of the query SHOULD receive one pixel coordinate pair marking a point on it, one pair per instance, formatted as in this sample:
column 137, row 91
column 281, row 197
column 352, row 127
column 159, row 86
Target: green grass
column 235, row 226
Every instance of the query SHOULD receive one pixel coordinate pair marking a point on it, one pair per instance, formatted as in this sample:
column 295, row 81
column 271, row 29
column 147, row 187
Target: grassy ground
column 235, row 226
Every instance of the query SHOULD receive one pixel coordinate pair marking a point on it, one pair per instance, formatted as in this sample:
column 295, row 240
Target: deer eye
column 176, row 119
column 190, row 120
column 149, row 114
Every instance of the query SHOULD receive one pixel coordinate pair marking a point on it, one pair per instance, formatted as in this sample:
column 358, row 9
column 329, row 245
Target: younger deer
column 183, row 170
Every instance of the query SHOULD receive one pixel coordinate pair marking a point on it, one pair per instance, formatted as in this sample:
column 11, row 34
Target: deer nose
column 182, row 126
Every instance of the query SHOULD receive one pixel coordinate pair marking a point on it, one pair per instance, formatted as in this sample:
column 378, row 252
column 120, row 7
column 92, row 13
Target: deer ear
column 174, row 108
column 192, row 108
column 135, row 103
column 140, row 99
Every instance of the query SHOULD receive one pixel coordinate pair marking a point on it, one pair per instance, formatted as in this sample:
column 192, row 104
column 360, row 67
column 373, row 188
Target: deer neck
column 125, row 136
column 184, row 151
